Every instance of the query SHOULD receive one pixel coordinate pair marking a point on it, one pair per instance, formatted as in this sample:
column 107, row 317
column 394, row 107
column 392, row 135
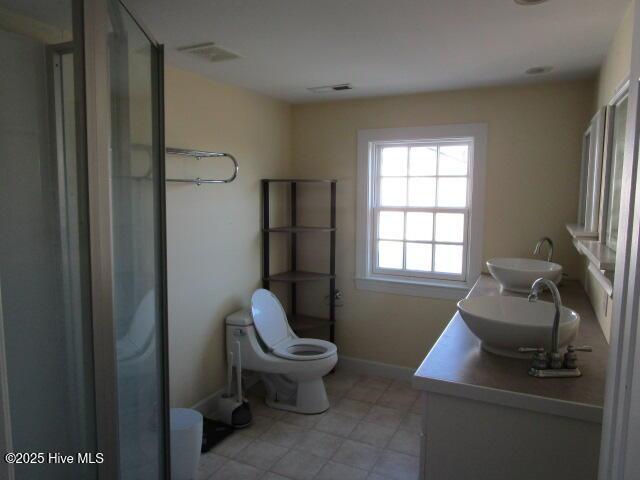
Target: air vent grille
column 209, row 52
column 331, row 88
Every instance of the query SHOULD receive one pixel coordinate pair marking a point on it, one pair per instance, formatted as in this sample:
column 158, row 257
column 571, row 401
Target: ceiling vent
column 529, row 2
column 331, row 88
column 209, row 52
column 539, row 70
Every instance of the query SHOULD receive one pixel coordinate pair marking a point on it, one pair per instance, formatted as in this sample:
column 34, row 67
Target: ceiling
column 384, row 47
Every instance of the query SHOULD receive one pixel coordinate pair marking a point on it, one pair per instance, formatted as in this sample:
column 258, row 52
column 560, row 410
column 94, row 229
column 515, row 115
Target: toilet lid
column 269, row 318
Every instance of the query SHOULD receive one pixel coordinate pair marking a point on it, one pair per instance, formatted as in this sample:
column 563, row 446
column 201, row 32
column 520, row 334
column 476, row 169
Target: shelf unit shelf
column 298, row 276
column 298, row 229
column 300, row 322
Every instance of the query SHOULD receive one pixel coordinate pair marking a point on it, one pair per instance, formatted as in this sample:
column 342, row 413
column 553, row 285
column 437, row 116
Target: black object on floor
column 241, row 416
column 213, row 432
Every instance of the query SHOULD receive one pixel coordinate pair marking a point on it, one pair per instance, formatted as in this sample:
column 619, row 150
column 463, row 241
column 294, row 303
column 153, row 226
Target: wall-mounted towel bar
column 202, row 154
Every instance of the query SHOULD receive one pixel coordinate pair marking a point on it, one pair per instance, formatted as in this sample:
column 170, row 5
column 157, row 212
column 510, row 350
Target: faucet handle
column 584, row 348
column 531, row 349
column 571, row 357
column 540, row 357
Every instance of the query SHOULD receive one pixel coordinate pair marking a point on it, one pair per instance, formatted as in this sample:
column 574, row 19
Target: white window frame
column 368, row 276
column 622, row 94
column 591, row 173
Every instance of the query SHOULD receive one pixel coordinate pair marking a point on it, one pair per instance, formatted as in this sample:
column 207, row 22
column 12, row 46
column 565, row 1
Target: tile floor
column 371, row 431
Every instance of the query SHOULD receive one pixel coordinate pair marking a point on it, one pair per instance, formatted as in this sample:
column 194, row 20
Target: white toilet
column 292, row 368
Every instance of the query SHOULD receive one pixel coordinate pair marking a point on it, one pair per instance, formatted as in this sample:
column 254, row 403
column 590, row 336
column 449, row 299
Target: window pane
column 394, row 161
column 422, row 161
column 419, row 226
column 453, row 160
column 389, row 254
column 393, row 192
column 391, row 225
column 448, row 258
column 452, row 192
column 450, row 227
column 422, row 192
column 619, row 130
column 419, row 256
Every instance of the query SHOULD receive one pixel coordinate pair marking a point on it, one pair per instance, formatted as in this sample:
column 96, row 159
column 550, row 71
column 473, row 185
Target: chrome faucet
column 536, row 288
column 552, row 364
column 536, row 251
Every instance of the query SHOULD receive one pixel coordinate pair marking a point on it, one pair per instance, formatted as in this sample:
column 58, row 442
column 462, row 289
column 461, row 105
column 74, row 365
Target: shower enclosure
column 83, row 367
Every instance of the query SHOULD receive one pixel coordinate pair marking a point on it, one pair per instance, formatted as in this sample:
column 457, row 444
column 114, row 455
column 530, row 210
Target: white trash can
column 186, row 441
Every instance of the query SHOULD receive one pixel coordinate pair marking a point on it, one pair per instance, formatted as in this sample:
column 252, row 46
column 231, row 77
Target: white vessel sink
column 503, row 324
column 517, row 274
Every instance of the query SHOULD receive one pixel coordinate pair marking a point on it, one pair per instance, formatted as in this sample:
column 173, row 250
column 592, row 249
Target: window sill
column 601, row 256
column 579, row 232
column 430, row 289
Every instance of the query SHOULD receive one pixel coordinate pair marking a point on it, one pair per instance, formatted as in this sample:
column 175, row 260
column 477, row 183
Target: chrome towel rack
column 203, row 154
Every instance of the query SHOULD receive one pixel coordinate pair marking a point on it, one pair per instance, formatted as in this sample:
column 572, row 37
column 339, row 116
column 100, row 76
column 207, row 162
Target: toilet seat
column 271, row 323
column 304, row 349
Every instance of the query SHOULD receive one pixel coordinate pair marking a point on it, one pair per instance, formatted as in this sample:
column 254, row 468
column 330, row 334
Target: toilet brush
column 232, row 410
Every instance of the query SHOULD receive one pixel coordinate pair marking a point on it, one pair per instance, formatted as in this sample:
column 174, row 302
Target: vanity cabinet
column 485, row 418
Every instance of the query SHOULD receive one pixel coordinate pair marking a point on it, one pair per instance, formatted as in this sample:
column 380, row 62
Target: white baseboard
column 379, row 369
column 208, row 406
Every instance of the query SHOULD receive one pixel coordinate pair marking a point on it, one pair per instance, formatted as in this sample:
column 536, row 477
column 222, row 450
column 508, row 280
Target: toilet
column 291, row 368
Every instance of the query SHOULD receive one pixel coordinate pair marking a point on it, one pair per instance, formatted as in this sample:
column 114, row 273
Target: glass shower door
column 136, row 159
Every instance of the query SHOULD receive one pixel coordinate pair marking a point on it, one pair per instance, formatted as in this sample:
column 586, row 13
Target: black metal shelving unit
column 300, row 322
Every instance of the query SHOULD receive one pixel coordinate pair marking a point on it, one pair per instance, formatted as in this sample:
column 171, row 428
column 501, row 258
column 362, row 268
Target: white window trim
column 366, row 279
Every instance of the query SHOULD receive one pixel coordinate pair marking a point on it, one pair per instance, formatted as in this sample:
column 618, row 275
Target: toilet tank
column 241, row 318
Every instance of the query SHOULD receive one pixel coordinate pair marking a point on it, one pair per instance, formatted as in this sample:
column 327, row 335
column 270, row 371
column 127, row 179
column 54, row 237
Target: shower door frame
column 94, row 69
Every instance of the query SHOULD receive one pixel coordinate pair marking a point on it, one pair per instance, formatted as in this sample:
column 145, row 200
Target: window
column 591, row 174
column 617, row 121
column 420, row 207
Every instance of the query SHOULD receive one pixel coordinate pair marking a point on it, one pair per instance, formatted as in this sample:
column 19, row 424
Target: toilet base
column 307, row 397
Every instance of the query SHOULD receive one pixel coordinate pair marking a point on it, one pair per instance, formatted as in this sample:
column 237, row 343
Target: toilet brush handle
column 239, row 374
column 229, row 373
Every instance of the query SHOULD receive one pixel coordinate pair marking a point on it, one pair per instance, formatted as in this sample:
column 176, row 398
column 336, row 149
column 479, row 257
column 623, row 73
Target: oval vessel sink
column 517, row 274
column 503, row 324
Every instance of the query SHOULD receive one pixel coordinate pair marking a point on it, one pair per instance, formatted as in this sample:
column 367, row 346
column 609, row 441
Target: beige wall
column 614, row 70
column 532, row 190
column 616, row 65
column 214, row 255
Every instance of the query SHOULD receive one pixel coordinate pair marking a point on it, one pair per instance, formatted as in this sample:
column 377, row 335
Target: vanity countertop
column 457, row 366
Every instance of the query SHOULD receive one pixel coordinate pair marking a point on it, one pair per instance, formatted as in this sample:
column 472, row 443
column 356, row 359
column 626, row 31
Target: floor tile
column 397, row 466
column 412, row 422
column 261, row 408
column 336, row 424
column 364, row 394
column 356, row 454
column 232, row 445
column 273, row 476
column 319, row 443
column 258, row 426
column 373, row 434
column 400, row 398
column 338, row 471
column 233, row 470
column 209, row 462
column 283, row 434
column 304, row 421
column 352, row 408
column 384, row 416
column 299, row 465
column 372, row 381
column 340, row 382
column 377, row 476
column 404, row 441
column 261, row 454
column 401, row 383
column 419, row 405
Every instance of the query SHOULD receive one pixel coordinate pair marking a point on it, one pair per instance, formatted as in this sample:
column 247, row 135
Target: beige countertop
column 457, row 366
